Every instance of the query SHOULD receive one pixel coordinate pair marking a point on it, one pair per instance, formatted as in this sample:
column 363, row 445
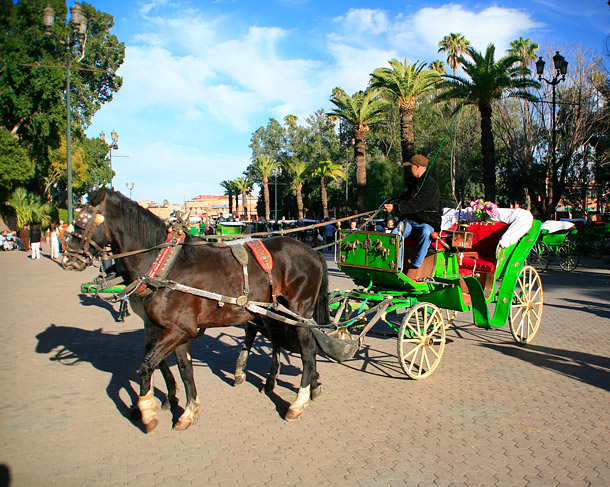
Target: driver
column 419, row 209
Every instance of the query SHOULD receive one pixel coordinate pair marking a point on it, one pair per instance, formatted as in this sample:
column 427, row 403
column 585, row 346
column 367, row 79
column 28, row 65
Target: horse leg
column 192, row 409
column 275, row 368
column 309, row 379
column 152, row 334
column 240, row 365
column 169, row 340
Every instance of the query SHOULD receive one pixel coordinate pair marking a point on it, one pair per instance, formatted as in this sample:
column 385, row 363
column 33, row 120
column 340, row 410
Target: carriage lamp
column 76, row 37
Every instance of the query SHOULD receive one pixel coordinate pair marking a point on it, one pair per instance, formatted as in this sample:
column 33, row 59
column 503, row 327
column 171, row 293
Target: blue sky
column 201, row 76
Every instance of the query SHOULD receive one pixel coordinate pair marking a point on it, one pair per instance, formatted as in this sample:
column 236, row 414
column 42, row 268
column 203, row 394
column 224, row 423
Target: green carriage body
column 371, row 259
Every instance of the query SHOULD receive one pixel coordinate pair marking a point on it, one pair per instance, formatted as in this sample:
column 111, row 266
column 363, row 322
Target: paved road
column 493, row 413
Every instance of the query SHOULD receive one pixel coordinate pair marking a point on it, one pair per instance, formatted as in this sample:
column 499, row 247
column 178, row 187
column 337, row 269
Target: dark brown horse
column 172, row 318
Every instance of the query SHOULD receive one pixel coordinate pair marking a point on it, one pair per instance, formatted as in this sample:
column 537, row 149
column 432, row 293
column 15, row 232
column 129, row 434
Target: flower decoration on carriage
column 484, row 210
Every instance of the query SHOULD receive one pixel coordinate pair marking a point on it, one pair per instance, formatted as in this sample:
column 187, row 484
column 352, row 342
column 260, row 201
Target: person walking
column 35, row 238
column 54, row 241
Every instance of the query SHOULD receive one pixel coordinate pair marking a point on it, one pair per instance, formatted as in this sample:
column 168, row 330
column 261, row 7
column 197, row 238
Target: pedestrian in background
column 54, row 237
column 35, row 238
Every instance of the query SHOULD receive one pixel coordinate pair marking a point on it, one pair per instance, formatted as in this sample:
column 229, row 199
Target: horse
column 173, row 317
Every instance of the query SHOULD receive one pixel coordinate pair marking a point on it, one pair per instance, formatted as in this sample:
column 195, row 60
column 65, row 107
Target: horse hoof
column 293, row 414
column 316, row 393
column 182, row 425
column 239, row 379
column 149, row 427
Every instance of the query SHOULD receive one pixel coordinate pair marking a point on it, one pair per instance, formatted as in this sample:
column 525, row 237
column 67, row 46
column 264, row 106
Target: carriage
column 469, row 266
column 554, row 241
column 593, row 238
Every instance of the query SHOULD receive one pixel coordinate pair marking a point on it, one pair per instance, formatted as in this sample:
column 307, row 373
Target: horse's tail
column 321, row 311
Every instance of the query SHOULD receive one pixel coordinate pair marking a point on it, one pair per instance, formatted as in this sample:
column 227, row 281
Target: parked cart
column 554, row 242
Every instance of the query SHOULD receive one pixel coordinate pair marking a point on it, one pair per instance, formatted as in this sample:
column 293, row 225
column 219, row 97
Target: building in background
column 206, row 206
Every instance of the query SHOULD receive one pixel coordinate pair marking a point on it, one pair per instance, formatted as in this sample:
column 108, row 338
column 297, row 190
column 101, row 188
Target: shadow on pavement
column 117, row 354
column 220, row 352
column 598, row 309
column 584, row 367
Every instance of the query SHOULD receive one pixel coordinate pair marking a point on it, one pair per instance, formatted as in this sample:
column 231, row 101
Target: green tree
column 229, row 187
column 33, row 76
column 488, row 81
column 15, row 166
column 405, row 83
column 326, row 170
column 438, row 66
column 298, row 172
column 263, row 167
column 243, row 187
column 454, row 45
column 29, row 208
column 525, row 49
column 363, row 109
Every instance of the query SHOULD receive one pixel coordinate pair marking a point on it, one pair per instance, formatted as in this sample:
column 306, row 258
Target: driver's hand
column 388, row 207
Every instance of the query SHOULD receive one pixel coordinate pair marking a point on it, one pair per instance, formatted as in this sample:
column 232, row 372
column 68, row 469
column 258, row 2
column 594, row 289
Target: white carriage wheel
column 526, row 306
column 421, row 340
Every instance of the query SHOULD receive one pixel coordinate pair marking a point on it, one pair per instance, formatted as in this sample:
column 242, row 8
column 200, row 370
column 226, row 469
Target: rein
column 372, row 214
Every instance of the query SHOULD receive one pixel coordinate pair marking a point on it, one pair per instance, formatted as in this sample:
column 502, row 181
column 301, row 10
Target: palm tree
column 405, row 82
column 29, row 208
column 242, row 186
column 438, row 66
column 326, row 170
column 525, row 49
column 488, row 81
column 454, row 45
column 229, row 187
column 361, row 110
column 263, row 168
column 298, row 170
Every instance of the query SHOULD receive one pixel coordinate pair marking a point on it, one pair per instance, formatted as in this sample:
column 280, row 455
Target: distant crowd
column 30, row 238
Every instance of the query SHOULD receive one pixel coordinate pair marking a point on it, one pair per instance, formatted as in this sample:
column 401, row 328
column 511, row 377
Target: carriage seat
column 481, row 257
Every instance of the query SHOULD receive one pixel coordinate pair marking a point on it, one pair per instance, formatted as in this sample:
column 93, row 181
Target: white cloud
column 197, row 86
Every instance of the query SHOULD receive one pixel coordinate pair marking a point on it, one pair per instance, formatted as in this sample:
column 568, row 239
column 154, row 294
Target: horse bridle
column 87, row 221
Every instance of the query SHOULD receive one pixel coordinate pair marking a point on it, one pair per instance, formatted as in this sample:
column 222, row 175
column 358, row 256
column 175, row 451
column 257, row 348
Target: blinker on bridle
column 85, row 224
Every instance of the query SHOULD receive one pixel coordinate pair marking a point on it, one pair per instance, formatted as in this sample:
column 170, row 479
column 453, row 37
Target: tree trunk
column 300, row 201
column 489, row 157
column 266, row 197
column 324, row 197
column 360, row 160
column 407, row 133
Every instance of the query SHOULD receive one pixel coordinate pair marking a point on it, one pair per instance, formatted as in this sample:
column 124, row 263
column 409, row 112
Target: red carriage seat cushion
column 482, row 256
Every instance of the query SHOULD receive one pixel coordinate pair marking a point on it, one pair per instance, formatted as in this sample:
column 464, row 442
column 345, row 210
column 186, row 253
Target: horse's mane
column 141, row 222
column 146, row 224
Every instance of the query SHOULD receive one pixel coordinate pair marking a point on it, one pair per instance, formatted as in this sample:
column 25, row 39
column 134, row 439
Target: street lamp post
column 75, row 37
column 561, row 69
column 129, row 188
column 113, row 145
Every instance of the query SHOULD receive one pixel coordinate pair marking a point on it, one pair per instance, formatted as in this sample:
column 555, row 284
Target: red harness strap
column 263, row 257
column 163, row 262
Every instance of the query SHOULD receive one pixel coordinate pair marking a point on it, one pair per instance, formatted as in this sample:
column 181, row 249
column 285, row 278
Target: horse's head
column 90, row 233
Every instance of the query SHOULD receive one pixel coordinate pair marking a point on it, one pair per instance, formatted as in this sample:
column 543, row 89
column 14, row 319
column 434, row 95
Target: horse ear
column 97, row 197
